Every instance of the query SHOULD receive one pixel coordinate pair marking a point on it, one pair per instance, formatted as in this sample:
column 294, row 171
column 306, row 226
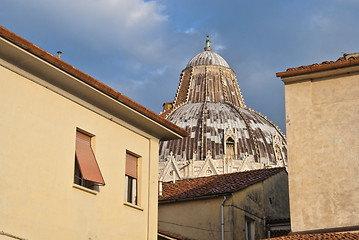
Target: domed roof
column 225, row 136
column 209, row 126
column 207, row 58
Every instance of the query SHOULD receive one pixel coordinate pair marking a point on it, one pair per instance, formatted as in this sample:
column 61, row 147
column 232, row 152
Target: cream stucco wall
column 322, row 112
column 37, row 147
column 198, row 219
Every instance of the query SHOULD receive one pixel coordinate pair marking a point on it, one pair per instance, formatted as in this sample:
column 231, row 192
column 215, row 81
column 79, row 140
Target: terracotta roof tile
column 214, row 185
column 321, row 236
column 33, row 49
column 279, row 233
column 317, row 67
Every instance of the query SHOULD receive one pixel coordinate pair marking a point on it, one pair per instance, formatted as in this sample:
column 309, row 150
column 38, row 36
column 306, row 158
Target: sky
column 139, row 48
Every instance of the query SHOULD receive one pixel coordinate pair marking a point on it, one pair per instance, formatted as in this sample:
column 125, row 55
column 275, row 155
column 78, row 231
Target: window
column 249, row 228
column 230, row 152
column 131, row 177
column 87, row 172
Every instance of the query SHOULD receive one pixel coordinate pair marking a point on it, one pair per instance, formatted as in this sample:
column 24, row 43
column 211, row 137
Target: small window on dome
column 229, row 150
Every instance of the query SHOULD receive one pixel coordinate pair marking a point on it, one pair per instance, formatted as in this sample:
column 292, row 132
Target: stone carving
column 171, row 171
column 208, row 167
column 277, row 146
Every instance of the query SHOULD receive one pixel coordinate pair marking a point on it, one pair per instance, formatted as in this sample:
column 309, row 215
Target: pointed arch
column 246, row 164
column 208, row 168
column 171, row 171
column 229, row 144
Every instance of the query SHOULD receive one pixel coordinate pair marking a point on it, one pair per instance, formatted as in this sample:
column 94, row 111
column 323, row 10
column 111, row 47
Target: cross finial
column 208, row 44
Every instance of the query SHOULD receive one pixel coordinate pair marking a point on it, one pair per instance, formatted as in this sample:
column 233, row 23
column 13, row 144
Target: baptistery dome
column 207, row 58
column 225, row 135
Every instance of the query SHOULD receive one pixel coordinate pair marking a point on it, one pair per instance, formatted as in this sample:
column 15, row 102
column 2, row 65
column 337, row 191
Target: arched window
column 230, row 151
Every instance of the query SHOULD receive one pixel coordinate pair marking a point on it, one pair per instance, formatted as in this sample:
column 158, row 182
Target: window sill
column 84, row 189
column 133, row 206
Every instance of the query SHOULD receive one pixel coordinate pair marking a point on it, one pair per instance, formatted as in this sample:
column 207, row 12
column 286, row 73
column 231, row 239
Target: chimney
column 59, row 54
column 348, row 56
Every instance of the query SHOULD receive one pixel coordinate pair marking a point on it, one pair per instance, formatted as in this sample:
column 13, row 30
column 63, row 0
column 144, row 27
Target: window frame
column 132, row 179
column 86, row 162
column 230, row 144
column 249, row 228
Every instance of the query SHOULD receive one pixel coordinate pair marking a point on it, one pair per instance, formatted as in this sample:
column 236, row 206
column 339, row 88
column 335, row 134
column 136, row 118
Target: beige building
column 322, row 111
column 226, row 206
column 78, row 160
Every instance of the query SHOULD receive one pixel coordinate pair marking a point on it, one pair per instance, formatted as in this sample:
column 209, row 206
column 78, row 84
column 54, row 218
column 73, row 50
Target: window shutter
column 131, row 165
column 86, row 159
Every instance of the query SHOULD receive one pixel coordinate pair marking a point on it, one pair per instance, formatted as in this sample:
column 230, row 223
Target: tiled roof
column 317, row 67
column 31, row 48
column 321, row 236
column 279, row 233
column 214, row 185
column 167, row 235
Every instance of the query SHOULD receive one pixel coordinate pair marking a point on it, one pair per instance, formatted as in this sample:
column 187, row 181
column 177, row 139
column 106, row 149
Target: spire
column 208, row 44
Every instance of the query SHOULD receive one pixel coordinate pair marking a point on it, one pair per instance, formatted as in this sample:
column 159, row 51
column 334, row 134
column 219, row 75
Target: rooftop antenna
column 208, row 44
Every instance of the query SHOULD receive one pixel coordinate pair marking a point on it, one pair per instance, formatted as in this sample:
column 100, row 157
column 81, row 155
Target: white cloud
column 322, row 22
column 190, row 31
column 160, row 71
column 134, row 27
column 218, row 47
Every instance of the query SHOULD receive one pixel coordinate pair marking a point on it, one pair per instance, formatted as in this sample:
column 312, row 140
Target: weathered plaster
column 323, row 148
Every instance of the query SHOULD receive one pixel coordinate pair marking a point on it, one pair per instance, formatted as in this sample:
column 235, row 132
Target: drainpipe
column 222, row 216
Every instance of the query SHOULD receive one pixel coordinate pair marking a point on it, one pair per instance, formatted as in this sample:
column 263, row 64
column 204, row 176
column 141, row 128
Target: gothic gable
column 171, row 171
column 208, row 167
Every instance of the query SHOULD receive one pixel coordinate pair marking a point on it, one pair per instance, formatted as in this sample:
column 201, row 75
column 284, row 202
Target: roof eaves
column 340, row 63
column 51, row 59
column 196, row 198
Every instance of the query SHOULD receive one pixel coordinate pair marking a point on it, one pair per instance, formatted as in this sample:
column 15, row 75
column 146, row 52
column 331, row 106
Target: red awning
column 86, row 159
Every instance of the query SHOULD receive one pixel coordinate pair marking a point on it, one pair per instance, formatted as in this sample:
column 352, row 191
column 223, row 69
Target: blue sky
column 140, row 47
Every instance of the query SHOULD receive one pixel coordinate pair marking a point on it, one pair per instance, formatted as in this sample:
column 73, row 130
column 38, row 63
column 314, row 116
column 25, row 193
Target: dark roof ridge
column 222, row 174
column 317, row 67
column 320, row 236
